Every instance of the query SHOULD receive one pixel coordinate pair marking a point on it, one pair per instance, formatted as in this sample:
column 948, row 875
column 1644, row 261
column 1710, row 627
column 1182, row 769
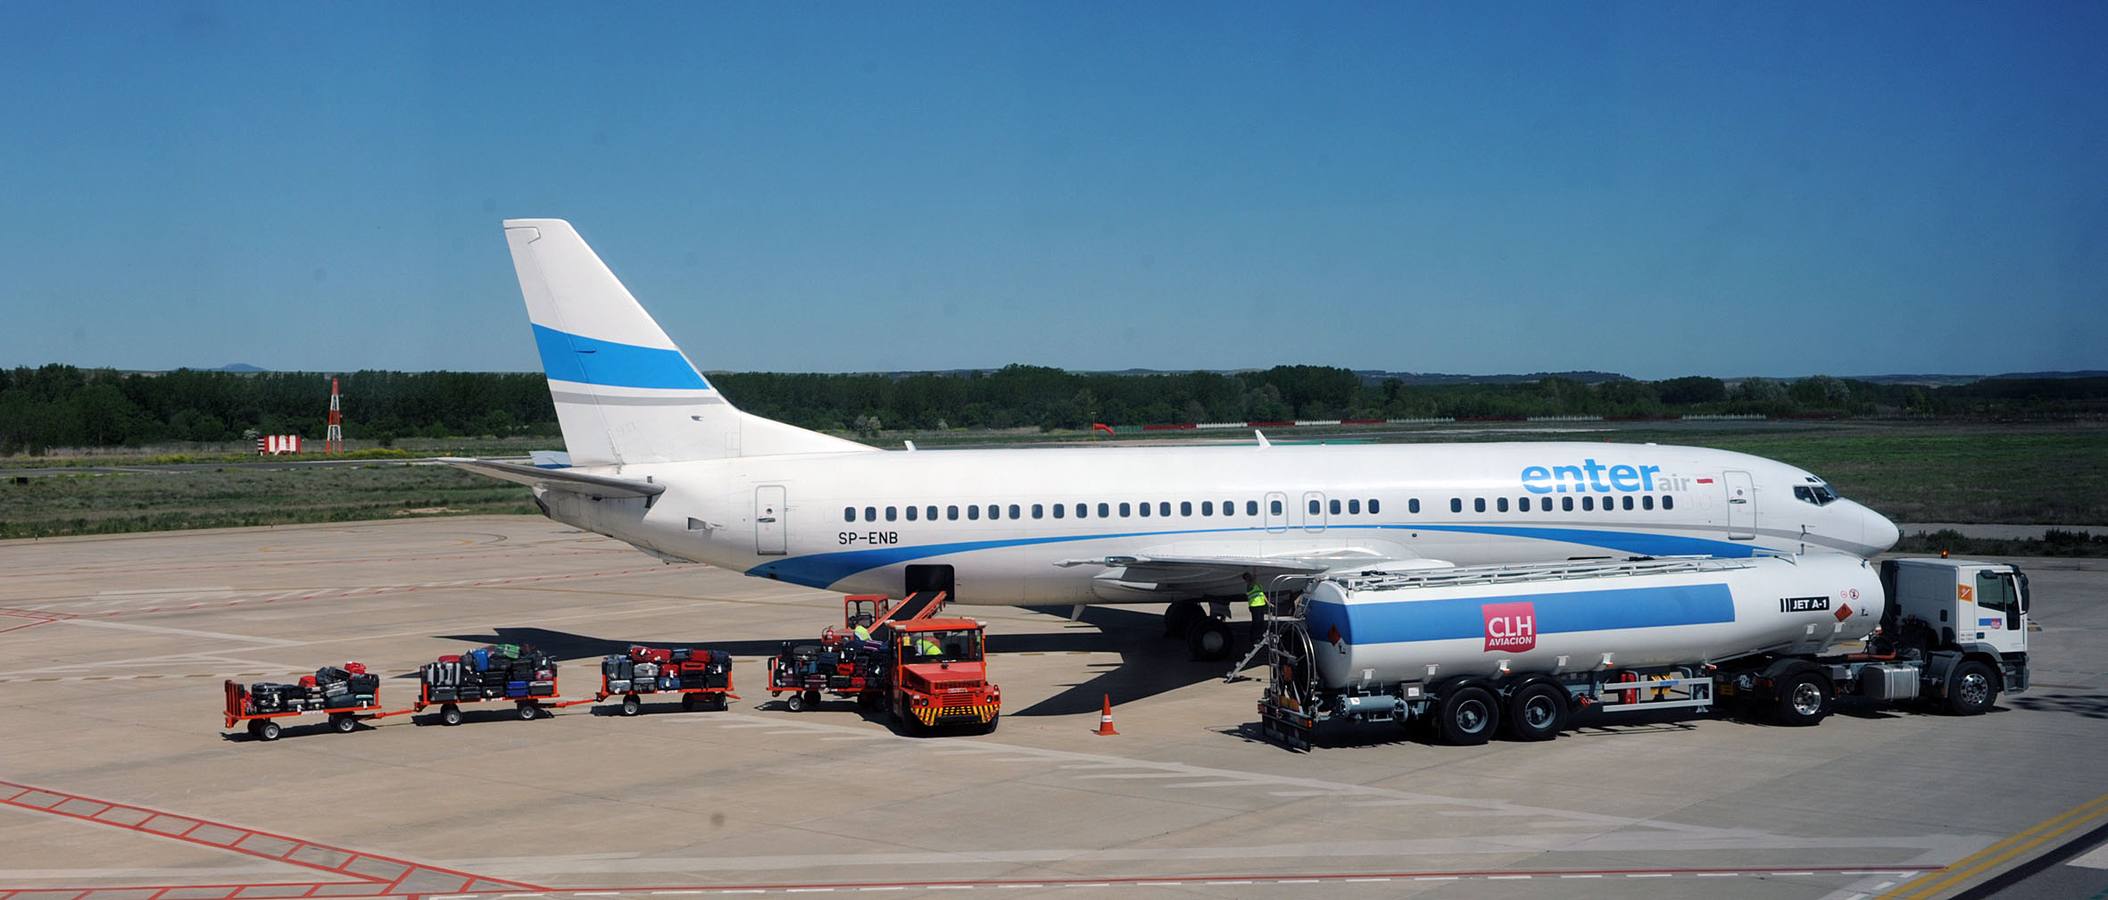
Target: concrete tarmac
column 116, row 779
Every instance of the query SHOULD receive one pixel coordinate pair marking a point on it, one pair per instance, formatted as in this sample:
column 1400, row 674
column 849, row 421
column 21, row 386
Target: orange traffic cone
column 1105, row 719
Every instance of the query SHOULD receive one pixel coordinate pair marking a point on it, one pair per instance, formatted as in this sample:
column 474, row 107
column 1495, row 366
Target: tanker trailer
column 1520, row 649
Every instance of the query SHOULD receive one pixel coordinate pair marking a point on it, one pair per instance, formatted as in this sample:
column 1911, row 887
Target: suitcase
column 440, row 695
column 669, row 683
column 618, row 686
column 516, row 689
column 718, row 680
column 644, row 670
column 721, row 658
column 328, row 674
column 365, row 684
column 451, row 658
column 541, row 689
column 677, row 654
column 479, row 659
column 355, row 668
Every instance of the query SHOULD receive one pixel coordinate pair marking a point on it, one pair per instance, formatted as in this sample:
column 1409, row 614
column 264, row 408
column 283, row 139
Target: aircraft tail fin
column 624, row 392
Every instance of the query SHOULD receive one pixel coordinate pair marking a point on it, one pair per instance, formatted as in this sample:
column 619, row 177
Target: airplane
column 663, row 461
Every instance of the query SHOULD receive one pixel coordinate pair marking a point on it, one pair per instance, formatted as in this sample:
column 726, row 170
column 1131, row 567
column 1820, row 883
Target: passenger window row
column 1586, row 503
column 1146, row 509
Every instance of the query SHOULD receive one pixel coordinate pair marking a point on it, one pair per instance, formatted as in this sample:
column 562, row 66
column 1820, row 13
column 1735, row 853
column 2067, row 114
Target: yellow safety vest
column 862, row 633
column 926, row 647
column 1256, row 597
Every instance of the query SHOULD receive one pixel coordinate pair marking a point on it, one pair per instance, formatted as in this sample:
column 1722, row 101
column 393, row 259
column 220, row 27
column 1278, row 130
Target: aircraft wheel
column 1210, row 638
column 1179, row 616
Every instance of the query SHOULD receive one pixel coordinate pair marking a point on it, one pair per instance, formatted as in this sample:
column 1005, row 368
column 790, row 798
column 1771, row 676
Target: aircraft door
column 770, row 518
column 1313, row 511
column 1741, row 506
column 1275, row 508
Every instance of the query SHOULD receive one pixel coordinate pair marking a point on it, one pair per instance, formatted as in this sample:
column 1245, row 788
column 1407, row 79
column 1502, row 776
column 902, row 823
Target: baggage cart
column 526, row 708
column 267, row 726
column 619, row 678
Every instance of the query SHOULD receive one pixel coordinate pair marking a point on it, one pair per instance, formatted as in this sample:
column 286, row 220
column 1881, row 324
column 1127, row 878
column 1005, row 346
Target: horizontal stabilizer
column 599, row 487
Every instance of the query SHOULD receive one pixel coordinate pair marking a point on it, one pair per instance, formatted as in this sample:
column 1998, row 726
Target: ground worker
column 926, row 647
column 1255, row 597
column 862, row 633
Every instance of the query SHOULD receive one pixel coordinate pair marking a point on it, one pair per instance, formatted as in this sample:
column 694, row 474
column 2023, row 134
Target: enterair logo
column 1510, row 627
column 1594, row 477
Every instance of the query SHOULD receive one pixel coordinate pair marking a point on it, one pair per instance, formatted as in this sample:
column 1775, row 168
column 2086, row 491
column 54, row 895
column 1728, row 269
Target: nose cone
column 1881, row 533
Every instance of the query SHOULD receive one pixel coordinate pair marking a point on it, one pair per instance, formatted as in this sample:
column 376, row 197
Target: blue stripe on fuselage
column 1461, row 618
column 577, row 358
column 823, row 569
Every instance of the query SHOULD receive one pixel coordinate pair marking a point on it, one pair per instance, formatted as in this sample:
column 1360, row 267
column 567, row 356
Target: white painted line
column 1646, row 875
column 1884, row 885
column 1088, row 884
column 1718, row 874
column 1507, row 877
column 877, row 889
column 1226, row 882
column 948, row 887
column 1422, row 878
column 1364, row 880
column 1298, row 881
column 675, row 892
column 1790, row 873
column 809, row 890
column 1008, row 887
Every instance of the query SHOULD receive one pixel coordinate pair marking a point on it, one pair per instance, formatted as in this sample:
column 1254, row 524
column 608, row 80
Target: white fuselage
column 842, row 520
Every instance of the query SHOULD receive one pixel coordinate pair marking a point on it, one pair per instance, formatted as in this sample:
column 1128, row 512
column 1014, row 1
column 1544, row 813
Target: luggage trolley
column 445, row 684
column 265, row 726
column 672, row 672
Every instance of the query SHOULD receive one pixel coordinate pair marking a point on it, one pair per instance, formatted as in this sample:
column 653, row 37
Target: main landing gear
column 1207, row 632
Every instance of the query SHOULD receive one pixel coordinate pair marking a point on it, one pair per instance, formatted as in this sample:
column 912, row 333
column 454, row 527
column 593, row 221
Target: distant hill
column 241, row 367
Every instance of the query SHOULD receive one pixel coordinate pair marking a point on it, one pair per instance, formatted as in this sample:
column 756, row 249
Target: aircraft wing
column 595, row 486
column 1145, row 578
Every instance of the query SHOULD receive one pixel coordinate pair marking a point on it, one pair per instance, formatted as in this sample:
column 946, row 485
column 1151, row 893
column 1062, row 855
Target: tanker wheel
column 1537, row 712
column 1178, row 616
column 1972, row 689
column 1801, row 699
column 1469, row 716
column 450, row 715
column 267, row 730
column 1210, row 638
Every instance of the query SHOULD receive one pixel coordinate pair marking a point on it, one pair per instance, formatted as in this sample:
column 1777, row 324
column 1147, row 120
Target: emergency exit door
column 769, row 520
column 1741, row 506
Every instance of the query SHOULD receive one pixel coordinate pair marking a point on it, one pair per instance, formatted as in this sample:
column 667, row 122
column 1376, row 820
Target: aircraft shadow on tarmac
column 1149, row 664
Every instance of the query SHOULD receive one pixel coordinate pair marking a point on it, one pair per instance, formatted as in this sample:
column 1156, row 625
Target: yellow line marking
column 1984, row 860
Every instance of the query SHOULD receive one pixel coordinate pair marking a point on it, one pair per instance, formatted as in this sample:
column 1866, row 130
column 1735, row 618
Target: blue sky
column 1647, row 188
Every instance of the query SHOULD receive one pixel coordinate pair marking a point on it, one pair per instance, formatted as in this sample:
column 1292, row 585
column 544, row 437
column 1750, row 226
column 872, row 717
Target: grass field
column 104, row 503
column 1913, row 472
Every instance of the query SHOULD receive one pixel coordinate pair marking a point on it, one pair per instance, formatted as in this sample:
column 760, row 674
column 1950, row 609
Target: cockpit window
column 1817, row 493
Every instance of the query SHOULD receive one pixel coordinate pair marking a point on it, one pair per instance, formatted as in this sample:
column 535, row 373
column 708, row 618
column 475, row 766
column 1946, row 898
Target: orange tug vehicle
column 926, row 672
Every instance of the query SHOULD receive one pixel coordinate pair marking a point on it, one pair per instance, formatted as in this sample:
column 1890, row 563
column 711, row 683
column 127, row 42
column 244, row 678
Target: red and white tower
column 333, row 441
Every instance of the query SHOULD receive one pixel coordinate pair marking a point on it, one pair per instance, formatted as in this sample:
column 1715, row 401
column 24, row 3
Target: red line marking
column 352, row 855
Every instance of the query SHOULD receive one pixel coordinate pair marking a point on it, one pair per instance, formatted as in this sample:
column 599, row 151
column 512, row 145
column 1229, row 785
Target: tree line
column 65, row 406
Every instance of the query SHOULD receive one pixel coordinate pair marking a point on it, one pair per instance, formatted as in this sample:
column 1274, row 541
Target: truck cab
column 939, row 673
column 1950, row 612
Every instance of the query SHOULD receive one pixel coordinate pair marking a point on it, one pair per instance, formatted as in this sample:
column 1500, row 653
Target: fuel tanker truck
column 1520, row 650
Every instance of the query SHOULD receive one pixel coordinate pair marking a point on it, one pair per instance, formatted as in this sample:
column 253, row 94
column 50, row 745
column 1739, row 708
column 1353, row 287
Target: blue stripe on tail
column 572, row 357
